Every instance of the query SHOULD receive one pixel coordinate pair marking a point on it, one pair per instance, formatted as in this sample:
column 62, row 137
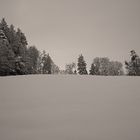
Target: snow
column 64, row 107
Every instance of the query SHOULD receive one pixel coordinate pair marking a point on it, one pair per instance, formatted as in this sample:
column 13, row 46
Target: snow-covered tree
column 7, row 66
column 81, row 65
column 133, row 66
column 95, row 67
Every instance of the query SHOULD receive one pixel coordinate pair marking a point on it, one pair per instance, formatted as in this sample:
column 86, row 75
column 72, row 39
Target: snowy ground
column 69, row 108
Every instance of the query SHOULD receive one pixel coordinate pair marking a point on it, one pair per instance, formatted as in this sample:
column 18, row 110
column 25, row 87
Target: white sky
column 67, row 28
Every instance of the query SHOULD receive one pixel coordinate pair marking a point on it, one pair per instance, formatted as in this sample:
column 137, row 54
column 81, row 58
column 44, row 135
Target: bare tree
column 70, row 68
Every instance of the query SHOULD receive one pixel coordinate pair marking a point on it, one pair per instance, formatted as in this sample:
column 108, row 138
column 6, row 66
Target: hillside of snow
column 65, row 107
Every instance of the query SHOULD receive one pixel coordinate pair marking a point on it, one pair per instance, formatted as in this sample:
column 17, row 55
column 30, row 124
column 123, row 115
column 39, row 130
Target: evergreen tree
column 95, row 67
column 4, row 27
column 21, row 53
column 13, row 40
column 81, row 65
column 40, row 63
column 22, row 43
column 133, row 66
column 22, row 37
column 92, row 69
column 32, row 59
column 17, row 45
column 47, row 63
column 7, row 66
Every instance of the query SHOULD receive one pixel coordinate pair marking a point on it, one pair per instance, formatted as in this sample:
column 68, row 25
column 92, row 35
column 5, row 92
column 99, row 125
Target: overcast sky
column 67, row 28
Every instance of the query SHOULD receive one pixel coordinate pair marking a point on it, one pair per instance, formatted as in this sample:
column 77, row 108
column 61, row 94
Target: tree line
column 18, row 58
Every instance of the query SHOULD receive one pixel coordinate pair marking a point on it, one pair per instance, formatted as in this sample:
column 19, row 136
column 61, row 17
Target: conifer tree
column 4, row 26
column 81, row 65
column 133, row 66
column 6, row 56
column 92, row 69
column 47, row 63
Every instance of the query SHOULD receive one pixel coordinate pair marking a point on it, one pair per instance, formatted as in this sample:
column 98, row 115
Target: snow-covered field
column 69, row 108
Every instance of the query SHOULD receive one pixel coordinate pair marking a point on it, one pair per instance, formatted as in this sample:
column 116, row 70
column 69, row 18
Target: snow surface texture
column 69, row 108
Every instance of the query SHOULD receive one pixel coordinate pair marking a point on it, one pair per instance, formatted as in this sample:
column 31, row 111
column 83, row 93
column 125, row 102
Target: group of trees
column 103, row 66
column 99, row 66
column 17, row 58
column 46, row 64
